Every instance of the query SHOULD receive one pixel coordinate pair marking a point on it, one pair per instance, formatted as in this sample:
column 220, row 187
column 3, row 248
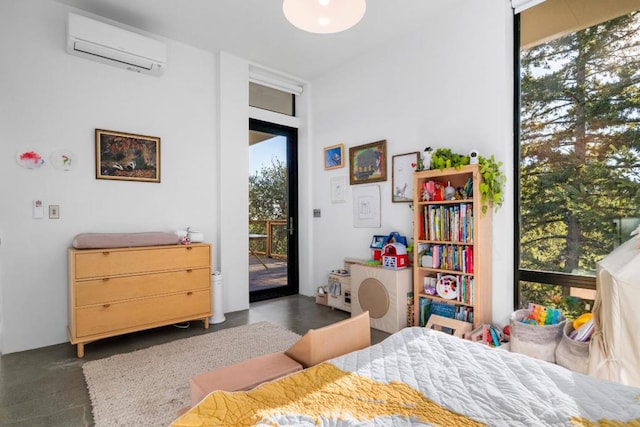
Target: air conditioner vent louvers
column 115, row 46
column 89, row 50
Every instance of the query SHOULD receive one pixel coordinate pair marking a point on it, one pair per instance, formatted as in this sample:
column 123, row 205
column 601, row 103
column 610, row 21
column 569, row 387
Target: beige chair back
column 334, row 340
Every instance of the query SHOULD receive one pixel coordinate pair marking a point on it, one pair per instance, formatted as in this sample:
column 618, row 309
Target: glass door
column 273, row 207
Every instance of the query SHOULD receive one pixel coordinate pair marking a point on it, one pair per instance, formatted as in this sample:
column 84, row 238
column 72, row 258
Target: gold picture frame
column 127, row 156
column 334, row 157
column 368, row 163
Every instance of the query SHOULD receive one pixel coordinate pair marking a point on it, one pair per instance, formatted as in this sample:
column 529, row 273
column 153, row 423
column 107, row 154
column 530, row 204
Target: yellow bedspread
column 319, row 394
column 422, row 377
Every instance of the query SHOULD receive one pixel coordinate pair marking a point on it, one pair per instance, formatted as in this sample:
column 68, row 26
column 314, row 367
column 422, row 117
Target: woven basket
column 539, row 341
column 572, row 354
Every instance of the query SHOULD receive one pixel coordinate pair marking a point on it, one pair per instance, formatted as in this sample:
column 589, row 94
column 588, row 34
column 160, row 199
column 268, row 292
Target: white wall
column 446, row 85
column 233, row 166
column 51, row 100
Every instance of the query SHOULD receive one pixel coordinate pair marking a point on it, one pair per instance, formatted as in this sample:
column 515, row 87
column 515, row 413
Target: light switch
column 54, row 211
column 38, row 209
column 316, row 213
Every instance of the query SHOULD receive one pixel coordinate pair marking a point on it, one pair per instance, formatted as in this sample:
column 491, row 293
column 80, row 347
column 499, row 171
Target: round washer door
column 373, row 296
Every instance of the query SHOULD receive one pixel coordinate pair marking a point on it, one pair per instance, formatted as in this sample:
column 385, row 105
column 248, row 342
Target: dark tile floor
column 45, row 387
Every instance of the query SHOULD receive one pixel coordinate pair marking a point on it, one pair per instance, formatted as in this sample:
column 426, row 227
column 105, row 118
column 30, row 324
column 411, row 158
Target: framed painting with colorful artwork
column 368, row 163
column 126, row 156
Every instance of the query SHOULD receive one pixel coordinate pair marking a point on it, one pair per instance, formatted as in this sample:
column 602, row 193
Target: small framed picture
column 126, row 156
column 334, row 157
column 368, row 163
column 338, row 189
column 403, row 166
column 366, row 206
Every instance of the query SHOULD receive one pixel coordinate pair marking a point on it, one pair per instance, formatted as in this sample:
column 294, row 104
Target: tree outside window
column 579, row 152
column 268, row 202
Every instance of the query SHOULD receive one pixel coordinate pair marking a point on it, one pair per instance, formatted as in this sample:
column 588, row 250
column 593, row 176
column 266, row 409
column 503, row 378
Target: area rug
column 147, row 387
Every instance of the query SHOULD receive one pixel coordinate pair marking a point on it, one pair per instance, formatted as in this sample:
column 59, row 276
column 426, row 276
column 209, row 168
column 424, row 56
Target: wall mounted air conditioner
column 115, row 46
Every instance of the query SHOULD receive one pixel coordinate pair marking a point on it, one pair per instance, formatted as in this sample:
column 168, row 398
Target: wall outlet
column 54, row 211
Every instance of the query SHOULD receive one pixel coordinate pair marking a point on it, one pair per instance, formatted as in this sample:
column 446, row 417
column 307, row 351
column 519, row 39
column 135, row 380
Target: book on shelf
column 453, row 258
column 464, row 314
column 465, row 289
column 424, row 310
column 453, row 223
column 429, row 306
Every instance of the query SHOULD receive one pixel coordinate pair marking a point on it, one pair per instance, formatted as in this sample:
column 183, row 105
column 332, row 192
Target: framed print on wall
column 366, row 206
column 334, row 157
column 402, row 167
column 126, row 156
column 368, row 163
column 338, row 189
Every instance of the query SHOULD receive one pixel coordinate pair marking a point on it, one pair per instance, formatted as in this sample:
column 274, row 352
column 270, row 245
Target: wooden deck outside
column 266, row 278
column 267, row 270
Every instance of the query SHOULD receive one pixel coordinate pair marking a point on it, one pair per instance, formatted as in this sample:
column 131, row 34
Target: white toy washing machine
column 383, row 292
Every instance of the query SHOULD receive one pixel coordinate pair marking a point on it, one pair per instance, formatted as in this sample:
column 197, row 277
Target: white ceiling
column 257, row 30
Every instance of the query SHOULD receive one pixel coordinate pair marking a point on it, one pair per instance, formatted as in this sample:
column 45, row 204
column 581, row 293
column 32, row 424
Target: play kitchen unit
column 337, row 292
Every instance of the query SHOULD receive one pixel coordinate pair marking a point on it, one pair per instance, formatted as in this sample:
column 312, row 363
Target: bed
column 420, row 376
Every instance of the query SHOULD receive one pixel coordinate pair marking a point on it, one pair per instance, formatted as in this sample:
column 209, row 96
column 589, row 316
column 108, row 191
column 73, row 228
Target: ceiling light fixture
column 324, row 16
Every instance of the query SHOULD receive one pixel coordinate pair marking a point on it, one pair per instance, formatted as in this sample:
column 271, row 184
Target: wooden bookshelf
column 457, row 235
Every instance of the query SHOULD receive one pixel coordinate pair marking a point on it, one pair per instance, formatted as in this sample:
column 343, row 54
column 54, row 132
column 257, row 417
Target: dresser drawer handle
column 189, row 270
column 189, row 248
column 106, row 305
column 106, row 253
column 190, row 293
column 106, row 279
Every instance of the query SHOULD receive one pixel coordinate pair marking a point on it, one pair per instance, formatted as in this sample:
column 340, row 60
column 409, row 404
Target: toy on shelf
column 447, row 286
column 394, row 256
column 430, row 285
column 433, row 191
column 378, row 243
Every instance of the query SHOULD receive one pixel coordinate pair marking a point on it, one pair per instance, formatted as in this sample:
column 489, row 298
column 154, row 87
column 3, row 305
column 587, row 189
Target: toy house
column 394, row 256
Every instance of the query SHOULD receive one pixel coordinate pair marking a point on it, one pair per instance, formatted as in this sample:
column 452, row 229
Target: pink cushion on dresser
column 123, row 240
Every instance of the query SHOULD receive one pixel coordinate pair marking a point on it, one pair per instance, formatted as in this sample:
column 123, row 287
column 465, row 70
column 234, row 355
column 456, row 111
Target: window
column 271, row 99
column 579, row 157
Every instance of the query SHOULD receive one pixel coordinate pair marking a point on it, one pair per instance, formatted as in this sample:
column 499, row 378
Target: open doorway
column 273, row 207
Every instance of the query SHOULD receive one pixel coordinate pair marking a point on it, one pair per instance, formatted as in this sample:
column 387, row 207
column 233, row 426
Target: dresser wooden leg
column 206, row 323
column 80, row 350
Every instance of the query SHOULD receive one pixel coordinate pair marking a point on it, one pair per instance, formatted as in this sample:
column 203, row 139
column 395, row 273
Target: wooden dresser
column 121, row 290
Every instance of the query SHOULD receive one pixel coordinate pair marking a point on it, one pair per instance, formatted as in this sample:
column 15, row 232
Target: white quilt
column 492, row 386
column 423, row 377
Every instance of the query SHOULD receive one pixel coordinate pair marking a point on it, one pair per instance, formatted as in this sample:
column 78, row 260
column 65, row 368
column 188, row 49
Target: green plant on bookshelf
column 445, row 158
column 493, row 179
